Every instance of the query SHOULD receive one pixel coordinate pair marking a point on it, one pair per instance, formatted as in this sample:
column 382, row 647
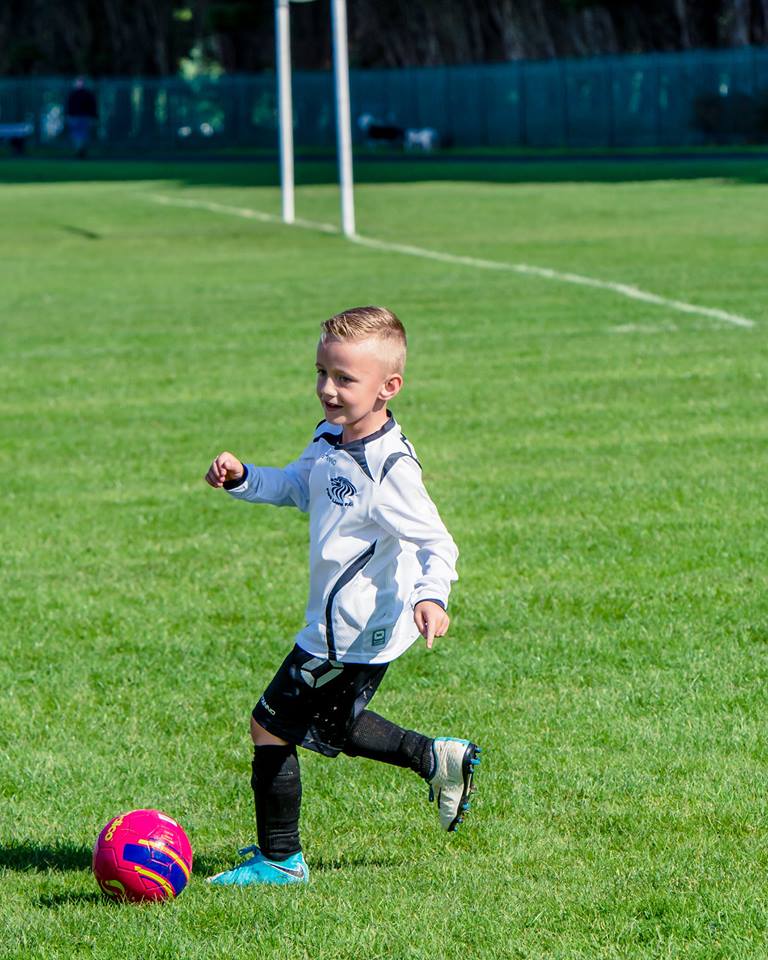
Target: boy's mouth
column 331, row 406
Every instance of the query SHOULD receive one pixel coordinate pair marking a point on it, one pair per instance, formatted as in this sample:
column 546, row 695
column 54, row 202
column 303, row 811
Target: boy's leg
column 276, row 784
column 446, row 763
column 377, row 738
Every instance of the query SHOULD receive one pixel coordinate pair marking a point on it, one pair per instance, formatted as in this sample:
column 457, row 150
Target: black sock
column 276, row 783
column 376, row 738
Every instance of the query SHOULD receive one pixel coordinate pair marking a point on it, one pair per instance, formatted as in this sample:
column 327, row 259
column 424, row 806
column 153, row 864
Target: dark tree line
column 150, row 37
column 453, row 31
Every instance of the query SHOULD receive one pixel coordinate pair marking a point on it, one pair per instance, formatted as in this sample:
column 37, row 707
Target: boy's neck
column 365, row 427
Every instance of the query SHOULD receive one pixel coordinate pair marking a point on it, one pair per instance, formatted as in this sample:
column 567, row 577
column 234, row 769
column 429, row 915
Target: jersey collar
column 356, row 448
column 389, row 425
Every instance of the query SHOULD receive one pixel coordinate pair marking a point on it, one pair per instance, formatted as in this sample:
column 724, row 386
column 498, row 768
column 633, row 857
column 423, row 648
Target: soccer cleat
column 259, row 869
column 451, row 780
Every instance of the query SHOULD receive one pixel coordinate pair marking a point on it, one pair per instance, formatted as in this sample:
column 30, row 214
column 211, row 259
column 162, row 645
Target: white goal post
column 343, row 117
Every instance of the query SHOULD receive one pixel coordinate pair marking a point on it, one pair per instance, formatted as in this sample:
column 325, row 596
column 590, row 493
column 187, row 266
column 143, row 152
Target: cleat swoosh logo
column 291, row 871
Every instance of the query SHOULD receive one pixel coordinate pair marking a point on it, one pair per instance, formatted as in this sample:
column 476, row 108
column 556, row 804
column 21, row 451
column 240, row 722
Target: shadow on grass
column 32, row 856
column 29, row 855
column 357, row 861
column 80, row 232
column 54, row 901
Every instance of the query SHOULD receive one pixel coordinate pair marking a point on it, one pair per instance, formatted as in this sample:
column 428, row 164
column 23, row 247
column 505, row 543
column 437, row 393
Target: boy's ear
column 392, row 386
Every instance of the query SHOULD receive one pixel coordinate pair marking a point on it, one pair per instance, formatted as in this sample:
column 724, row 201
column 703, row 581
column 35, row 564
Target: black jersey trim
column 392, row 460
column 409, row 447
column 334, row 439
column 389, row 425
column 237, row 481
column 356, row 450
column 331, row 438
column 352, row 570
column 440, row 603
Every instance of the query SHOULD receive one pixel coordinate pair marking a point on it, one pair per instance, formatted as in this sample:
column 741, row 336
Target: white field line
column 239, row 212
column 623, row 289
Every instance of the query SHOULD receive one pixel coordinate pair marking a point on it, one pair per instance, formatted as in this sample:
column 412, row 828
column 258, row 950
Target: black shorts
column 313, row 702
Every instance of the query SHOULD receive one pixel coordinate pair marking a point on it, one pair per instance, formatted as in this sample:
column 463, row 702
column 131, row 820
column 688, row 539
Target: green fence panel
column 464, row 122
column 636, row 103
column 588, row 105
column 545, row 123
column 504, row 113
column 673, row 99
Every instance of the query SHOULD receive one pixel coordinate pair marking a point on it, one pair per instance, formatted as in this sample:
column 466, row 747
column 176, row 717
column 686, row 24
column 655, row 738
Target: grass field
column 600, row 461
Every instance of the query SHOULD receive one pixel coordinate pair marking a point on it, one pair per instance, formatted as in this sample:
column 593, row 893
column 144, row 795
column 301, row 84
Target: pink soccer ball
column 142, row 855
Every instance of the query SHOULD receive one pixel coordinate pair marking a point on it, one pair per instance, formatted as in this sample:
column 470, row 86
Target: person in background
column 82, row 112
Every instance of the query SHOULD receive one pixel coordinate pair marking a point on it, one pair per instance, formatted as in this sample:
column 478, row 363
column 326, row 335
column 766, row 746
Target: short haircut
column 364, row 323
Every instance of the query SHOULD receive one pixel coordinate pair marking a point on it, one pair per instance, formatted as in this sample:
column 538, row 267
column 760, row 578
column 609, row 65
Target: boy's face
column 354, row 384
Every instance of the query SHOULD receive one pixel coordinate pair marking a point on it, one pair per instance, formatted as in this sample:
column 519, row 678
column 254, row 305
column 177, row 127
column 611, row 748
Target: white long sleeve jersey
column 377, row 545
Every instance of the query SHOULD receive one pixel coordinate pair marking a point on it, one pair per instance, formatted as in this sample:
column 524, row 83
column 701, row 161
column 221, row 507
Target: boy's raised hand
column 431, row 620
column 225, row 467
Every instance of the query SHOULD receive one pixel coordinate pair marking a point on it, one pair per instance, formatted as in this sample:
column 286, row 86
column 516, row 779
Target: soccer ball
column 142, row 855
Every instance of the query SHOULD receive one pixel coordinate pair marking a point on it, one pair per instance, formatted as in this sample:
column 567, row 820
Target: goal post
column 285, row 107
column 343, row 116
column 343, row 113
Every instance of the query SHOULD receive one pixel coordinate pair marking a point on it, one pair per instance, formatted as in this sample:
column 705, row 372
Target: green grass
column 600, row 462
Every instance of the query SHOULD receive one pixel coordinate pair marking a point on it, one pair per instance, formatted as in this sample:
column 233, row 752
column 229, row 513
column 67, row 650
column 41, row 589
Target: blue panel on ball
column 157, row 860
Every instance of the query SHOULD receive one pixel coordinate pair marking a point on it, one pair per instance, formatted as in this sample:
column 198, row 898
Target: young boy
column 381, row 566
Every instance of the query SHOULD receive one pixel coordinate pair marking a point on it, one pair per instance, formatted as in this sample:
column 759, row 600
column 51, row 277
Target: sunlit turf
column 601, row 463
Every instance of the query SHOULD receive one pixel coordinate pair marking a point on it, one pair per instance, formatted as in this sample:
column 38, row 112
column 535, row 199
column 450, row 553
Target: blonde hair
column 364, row 323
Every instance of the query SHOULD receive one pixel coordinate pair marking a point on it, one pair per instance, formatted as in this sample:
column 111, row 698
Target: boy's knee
column 263, row 738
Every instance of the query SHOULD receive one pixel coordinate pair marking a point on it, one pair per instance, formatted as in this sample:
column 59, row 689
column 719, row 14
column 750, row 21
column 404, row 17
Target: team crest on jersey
column 341, row 491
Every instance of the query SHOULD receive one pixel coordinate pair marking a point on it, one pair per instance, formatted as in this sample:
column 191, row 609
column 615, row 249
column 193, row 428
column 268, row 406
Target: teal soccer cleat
column 451, row 780
column 258, row 869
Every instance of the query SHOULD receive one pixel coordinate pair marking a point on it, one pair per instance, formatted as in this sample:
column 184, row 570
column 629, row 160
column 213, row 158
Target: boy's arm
column 431, row 619
column 224, row 470
column 404, row 509
column 283, row 487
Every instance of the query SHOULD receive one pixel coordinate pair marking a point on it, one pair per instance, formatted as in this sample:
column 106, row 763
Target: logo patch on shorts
column 317, row 672
column 341, row 491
